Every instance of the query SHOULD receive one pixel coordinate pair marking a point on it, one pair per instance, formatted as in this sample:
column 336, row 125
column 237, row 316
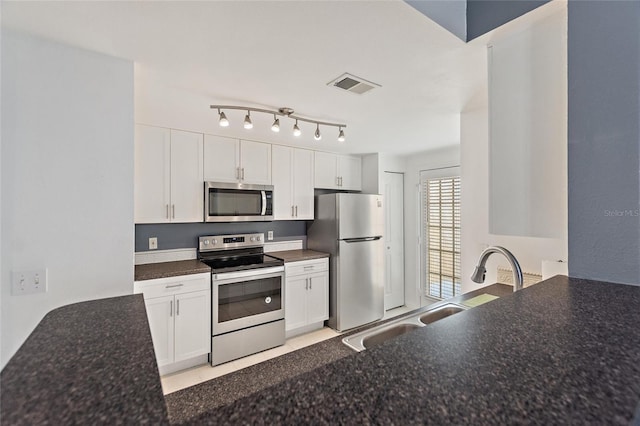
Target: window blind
column 441, row 219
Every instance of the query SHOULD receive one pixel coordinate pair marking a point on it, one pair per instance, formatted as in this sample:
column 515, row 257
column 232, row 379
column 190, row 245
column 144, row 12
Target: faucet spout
column 480, row 271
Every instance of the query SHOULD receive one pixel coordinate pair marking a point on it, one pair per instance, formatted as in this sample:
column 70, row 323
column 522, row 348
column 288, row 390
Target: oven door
column 235, row 202
column 246, row 298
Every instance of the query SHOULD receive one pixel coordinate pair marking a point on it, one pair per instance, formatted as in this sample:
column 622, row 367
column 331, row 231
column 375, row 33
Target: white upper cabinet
column 293, row 183
column 168, row 175
column 333, row 171
column 233, row 160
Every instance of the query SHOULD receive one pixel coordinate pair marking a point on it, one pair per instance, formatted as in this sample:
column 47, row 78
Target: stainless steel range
column 247, row 296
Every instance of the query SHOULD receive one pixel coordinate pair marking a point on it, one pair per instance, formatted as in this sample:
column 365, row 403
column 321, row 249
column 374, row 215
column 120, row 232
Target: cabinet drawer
column 306, row 267
column 172, row 285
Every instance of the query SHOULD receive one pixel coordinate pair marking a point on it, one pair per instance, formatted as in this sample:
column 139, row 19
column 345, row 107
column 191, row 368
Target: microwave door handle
column 264, row 203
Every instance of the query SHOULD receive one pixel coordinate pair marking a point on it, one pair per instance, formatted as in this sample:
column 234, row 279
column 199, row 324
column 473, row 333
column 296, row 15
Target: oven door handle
column 259, row 272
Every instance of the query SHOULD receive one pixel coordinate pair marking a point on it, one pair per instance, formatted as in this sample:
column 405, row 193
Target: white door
column 192, row 336
column 152, row 174
column 302, row 176
column 160, row 312
column 318, row 297
column 221, row 159
column 255, row 162
column 283, row 200
column 187, row 201
column 325, row 170
column 295, row 304
column 394, row 240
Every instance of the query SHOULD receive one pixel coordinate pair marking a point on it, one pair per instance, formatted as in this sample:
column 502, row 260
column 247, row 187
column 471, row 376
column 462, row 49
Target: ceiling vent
column 353, row 84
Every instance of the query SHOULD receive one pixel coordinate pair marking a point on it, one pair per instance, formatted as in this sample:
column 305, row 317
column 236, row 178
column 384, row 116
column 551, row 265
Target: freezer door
column 360, row 282
column 359, row 215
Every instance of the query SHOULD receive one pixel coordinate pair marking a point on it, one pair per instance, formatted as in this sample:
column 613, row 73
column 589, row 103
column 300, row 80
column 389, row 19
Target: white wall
column 550, row 73
column 67, row 178
column 435, row 159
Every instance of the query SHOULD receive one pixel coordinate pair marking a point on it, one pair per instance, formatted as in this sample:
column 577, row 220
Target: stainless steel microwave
column 237, row 202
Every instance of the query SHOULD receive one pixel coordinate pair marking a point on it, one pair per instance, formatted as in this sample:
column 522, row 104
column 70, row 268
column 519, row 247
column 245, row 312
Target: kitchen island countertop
column 86, row 363
column 564, row 351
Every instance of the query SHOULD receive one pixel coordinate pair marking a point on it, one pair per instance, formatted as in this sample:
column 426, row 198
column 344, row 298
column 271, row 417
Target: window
column 441, row 232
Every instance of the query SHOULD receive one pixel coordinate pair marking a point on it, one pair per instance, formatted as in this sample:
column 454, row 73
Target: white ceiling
column 274, row 54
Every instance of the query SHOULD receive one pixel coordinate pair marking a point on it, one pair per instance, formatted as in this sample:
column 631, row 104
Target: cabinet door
column 192, row 322
column 350, row 170
column 152, row 174
column 186, row 177
column 325, row 170
column 318, row 298
column 221, row 159
column 302, row 177
column 282, row 185
column 160, row 311
column 295, row 302
column 255, row 162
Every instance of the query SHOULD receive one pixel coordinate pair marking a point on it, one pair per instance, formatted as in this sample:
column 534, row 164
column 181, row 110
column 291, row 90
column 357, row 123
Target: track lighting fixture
column 223, row 119
column 276, row 124
column 283, row 112
column 247, row 121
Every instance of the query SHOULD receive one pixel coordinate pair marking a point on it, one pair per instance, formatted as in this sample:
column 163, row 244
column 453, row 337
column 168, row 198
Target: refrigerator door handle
column 360, row 240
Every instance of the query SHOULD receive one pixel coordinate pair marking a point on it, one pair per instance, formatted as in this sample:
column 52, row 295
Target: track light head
column 296, row 129
column 276, row 124
column 247, row 121
column 341, row 135
column 317, row 136
column 223, row 119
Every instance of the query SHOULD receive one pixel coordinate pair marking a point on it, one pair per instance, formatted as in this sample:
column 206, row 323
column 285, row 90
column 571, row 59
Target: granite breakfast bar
column 563, row 351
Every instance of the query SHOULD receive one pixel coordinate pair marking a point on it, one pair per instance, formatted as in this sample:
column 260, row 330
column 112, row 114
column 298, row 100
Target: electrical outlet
column 153, row 243
column 270, row 235
column 29, row 282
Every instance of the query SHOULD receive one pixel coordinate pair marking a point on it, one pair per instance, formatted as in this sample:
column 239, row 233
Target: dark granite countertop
column 298, row 255
column 87, row 363
column 150, row 271
column 564, row 351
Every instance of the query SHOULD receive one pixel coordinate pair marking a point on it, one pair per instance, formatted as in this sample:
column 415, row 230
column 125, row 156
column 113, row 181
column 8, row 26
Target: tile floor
column 192, row 376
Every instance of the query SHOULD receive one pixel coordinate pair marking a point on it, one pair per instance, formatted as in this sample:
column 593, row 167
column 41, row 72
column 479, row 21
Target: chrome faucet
column 480, row 271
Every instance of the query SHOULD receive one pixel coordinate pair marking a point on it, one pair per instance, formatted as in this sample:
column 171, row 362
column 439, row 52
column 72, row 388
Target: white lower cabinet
column 306, row 295
column 179, row 313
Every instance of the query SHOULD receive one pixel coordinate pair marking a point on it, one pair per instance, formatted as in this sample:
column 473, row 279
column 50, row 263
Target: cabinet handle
column 177, row 307
column 340, row 180
column 243, row 173
column 310, row 284
column 167, row 211
column 308, row 268
column 174, row 285
column 291, row 211
column 306, row 283
column 173, row 211
column 337, row 181
column 296, row 211
column 171, row 308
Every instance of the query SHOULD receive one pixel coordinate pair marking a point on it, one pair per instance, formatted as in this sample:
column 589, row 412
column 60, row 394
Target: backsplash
column 185, row 235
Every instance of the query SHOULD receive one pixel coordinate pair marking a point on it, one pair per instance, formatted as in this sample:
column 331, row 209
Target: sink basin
column 410, row 322
column 388, row 333
column 438, row 314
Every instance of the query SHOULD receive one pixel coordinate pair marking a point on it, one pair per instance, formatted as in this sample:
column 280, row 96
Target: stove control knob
column 206, row 242
column 258, row 237
column 214, row 242
column 253, row 238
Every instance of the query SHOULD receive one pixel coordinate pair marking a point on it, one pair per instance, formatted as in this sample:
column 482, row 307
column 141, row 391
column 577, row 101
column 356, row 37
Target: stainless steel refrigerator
column 350, row 228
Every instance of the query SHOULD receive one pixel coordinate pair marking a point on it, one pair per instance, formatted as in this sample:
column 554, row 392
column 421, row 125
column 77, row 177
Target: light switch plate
column 29, row 282
column 153, row 243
